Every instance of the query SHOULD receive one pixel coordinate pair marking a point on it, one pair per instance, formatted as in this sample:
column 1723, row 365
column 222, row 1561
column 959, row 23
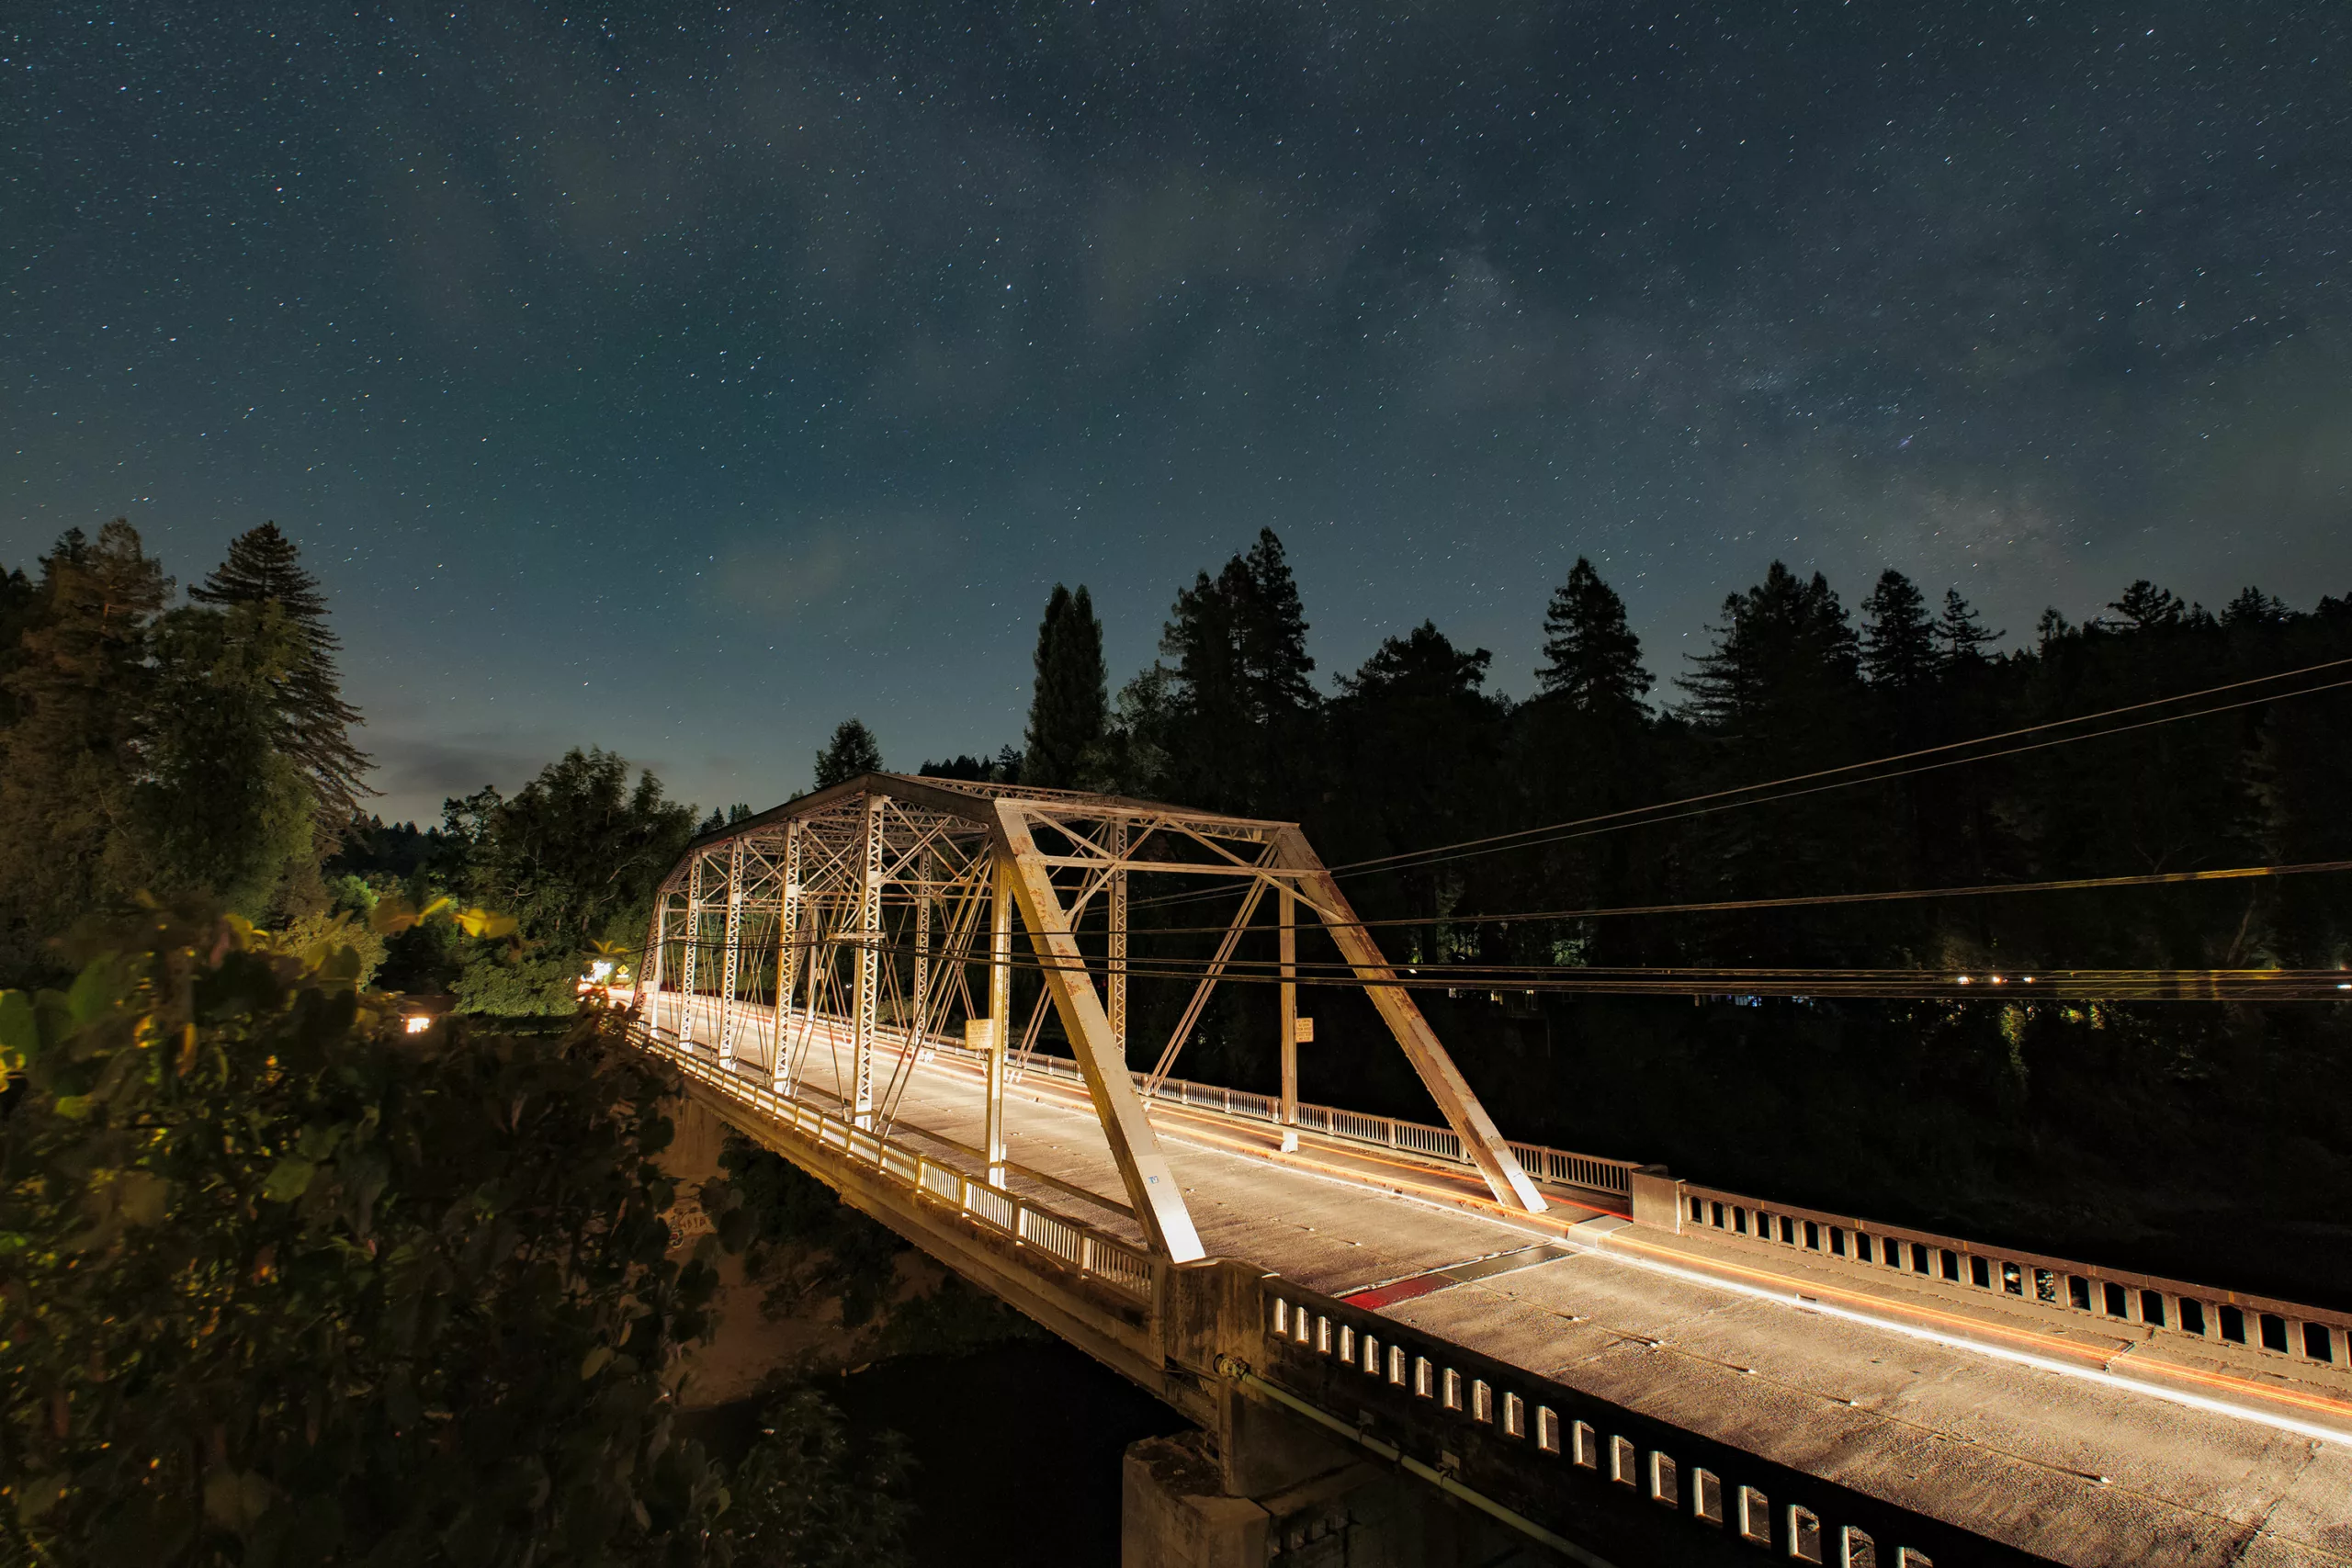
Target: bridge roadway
column 2051, row 1443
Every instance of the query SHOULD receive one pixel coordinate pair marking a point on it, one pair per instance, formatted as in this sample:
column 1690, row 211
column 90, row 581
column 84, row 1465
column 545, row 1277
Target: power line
column 1972, row 890
column 1648, row 816
column 2005, row 982
column 1439, row 849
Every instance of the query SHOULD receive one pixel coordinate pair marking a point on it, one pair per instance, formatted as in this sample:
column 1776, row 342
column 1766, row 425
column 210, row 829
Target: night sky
column 684, row 378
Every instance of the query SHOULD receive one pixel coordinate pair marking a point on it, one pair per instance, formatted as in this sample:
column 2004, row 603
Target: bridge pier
column 1286, row 1498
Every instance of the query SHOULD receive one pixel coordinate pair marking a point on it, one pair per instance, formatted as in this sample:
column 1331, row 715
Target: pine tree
column 222, row 810
column 1962, row 633
column 19, row 611
column 314, row 721
column 2253, row 607
column 1269, row 624
column 1898, row 640
column 1785, row 654
column 82, row 692
column 2145, row 607
column 851, row 751
column 1204, row 729
column 1070, row 701
column 1592, row 660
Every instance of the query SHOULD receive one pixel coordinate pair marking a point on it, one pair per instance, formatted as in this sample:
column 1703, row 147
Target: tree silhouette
column 851, row 751
column 315, row 722
column 1961, row 634
column 2146, row 607
column 1592, row 660
column 1898, row 647
column 83, row 692
column 1070, row 703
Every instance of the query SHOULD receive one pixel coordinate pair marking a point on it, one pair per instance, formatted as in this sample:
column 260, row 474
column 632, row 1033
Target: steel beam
column 921, row 998
column 1481, row 1140
column 694, row 942
column 787, row 956
column 729, row 957
column 1151, row 1187
column 866, row 994
column 648, row 965
column 1286, row 939
column 1115, row 977
column 1000, row 1005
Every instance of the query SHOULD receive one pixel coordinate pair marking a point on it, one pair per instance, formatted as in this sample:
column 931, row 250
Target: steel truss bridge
column 1599, row 1362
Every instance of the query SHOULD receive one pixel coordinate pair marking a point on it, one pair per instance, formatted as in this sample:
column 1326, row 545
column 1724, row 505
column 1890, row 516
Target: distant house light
column 416, row 1023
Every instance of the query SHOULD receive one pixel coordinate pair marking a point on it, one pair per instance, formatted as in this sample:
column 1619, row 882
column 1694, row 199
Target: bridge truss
column 875, row 919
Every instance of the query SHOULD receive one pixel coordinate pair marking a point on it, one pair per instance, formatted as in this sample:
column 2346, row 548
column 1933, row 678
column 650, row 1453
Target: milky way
column 686, row 378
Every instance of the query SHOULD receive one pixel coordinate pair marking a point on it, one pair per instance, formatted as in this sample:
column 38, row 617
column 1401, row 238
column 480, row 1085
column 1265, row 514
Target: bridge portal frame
column 825, row 877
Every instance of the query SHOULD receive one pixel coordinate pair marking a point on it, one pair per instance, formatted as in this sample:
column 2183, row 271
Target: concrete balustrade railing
column 2233, row 1324
column 1071, row 1243
column 1558, row 1168
column 1644, row 1462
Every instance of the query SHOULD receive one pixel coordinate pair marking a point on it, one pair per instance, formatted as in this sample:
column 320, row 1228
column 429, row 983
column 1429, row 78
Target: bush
column 283, row 1283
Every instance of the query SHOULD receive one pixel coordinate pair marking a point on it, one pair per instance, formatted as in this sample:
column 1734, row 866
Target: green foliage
column 82, row 694
column 311, row 724
column 201, row 749
column 802, row 1242
column 851, row 751
column 804, row 1498
column 222, row 809
column 1069, row 706
column 285, row 1284
column 576, row 856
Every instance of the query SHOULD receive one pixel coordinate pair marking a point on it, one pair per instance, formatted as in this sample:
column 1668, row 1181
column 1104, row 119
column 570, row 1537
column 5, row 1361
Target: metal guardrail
column 2229, row 1320
column 1073, row 1244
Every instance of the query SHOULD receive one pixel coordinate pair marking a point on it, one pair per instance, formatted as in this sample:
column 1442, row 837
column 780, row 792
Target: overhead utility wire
column 1612, row 821
column 1972, row 890
column 1443, row 850
column 2072, row 984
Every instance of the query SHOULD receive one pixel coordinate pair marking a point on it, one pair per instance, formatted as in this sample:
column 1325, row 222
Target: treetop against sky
column 683, row 382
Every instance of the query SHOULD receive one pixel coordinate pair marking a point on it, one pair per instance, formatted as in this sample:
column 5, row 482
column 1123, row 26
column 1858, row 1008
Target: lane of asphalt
column 1588, row 1226
column 2305, row 1412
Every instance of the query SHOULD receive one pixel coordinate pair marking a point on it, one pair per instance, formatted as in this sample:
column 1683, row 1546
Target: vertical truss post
column 649, row 966
column 1115, row 976
column 1157, row 1201
column 867, row 995
column 731, row 958
column 1481, row 1140
column 694, row 942
column 1287, row 938
column 1000, row 1005
column 788, row 958
column 921, row 1023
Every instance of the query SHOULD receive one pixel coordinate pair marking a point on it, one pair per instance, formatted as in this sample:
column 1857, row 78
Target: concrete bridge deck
column 2045, row 1441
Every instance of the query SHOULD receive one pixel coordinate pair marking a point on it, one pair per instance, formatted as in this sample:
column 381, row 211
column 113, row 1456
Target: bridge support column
column 1288, row 938
column 694, row 943
column 999, row 1010
column 1116, row 966
column 865, row 996
column 730, row 960
column 787, row 960
column 1185, row 1502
